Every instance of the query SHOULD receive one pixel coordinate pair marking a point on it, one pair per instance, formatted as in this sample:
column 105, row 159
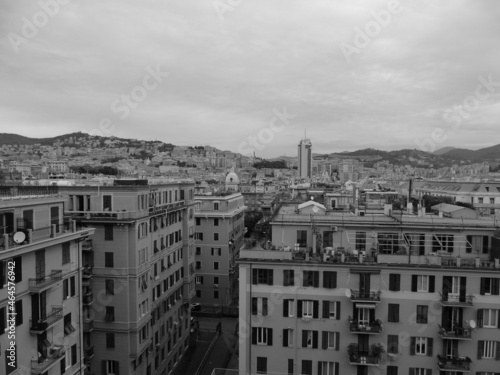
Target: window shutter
column 412, row 345
column 315, row 309
column 326, row 309
column 264, row 307
column 254, row 335
column 62, row 365
column 72, row 286
column 285, row 308
column 316, row 279
column 432, row 284
column 320, row 370
column 412, row 371
column 19, row 312
column 269, row 337
column 398, row 282
column 480, row 345
column 254, row 306
column 324, row 340
column 337, row 314
column 480, row 318
column 254, row 276
column 334, row 279
column 430, row 346
column 1, row 274
column 392, row 282
column 19, row 269
column 304, row 339
column 337, row 368
column 117, row 367
column 482, row 287
column 497, row 355
column 414, row 283
column 74, row 358
column 315, row 339
column 428, row 371
column 104, row 367
column 498, row 318
column 269, row 277
column 337, row 340
column 299, row 308
column 65, row 288
column 496, row 286
column 326, row 281
column 285, row 338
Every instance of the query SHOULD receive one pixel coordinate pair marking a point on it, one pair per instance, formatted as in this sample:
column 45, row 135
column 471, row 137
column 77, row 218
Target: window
column 288, row 278
column 394, row 282
column 68, row 327
column 416, row 243
column 423, row 283
column 111, row 367
column 330, row 340
column 488, row 318
column 311, row 278
column 216, row 206
column 489, row 286
column 302, row 238
column 307, row 366
column 388, row 242
column 421, row 346
column 307, row 309
column 110, row 314
column 262, row 276
column 442, row 242
column 262, row 336
column 393, row 313
column 261, row 365
column 420, row 371
column 329, row 279
column 198, row 293
column 360, row 241
column 216, row 236
column 198, row 250
column 288, row 338
column 108, row 260
column 66, row 258
column 110, row 340
column 199, row 280
column 198, row 221
column 216, row 222
column 216, row 265
column 422, row 314
column 328, row 368
column 216, row 294
column 108, row 232
column 331, row 310
column 310, row 339
column 393, row 344
column 110, row 286
column 488, row 350
column 288, row 308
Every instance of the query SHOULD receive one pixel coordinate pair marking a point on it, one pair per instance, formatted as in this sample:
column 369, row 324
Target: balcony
column 87, row 245
column 88, row 326
column 454, row 364
column 88, row 352
column 41, row 283
column 41, row 365
column 459, row 333
column 373, row 328
column 364, row 360
column 88, row 299
column 455, row 300
column 362, row 296
column 44, row 324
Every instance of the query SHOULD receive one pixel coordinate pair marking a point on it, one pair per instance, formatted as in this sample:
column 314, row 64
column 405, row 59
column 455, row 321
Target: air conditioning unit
column 334, row 228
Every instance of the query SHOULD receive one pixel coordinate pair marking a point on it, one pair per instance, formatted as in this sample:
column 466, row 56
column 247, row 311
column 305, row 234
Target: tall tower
column 305, row 158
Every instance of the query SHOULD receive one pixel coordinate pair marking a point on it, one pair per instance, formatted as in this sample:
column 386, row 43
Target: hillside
column 483, row 154
column 443, row 150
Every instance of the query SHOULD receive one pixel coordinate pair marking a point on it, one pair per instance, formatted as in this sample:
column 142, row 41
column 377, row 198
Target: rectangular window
column 393, row 313
column 393, row 344
column 261, row 365
column 108, row 260
column 288, row 338
column 360, row 241
column 302, row 238
column 394, row 282
column 68, row 327
column 110, row 286
column 259, row 306
column 328, row 368
column 330, row 340
column 216, row 265
column 216, row 294
column 110, row 340
column 288, row 308
column 66, row 258
column 216, row 236
column 331, row 310
column 110, row 314
column 288, row 278
column 199, row 280
column 489, row 318
column 310, row 339
column 489, row 286
column 311, row 278
column 329, row 279
column 420, row 345
column 262, row 276
column 216, row 206
column 262, row 336
column 216, row 222
column 308, row 309
column 108, row 232
column 422, row 314
column 442, row 242
column 423, row 283
column 307, row 366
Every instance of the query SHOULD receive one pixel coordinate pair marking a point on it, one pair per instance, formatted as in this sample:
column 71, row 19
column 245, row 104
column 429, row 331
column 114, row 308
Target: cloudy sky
column 232, row 73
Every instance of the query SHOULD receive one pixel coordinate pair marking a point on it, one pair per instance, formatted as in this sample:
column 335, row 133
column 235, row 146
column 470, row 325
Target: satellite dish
column 472, row 324
column 348, row 293
column 19, row 237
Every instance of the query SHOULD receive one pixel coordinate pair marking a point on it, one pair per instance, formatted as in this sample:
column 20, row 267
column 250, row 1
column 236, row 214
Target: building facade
column 219, row 236
column 139, row 274
column 373, row 294
column 40, row 280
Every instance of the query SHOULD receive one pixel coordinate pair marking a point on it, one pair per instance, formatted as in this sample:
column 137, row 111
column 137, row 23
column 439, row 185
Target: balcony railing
column 41, row 365
column 461, row 364
column 455, row 300
column 364, row 360
column 87, row 272
column 362, row 296
column 88, row 298
column 87, row 245
column 365, row 328
column 39, row 284
column 459, row 333
column 51, row 319
column 88, row 326
column 88, row 352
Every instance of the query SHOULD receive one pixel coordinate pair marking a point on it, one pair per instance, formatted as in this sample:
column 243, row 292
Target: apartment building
column 373, row 294
column 219, row 232
column 40, row 282
column 139, row 273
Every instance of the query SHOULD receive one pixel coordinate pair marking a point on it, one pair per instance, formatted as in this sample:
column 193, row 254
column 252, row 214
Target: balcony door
column 364, row 284
column 40, row 264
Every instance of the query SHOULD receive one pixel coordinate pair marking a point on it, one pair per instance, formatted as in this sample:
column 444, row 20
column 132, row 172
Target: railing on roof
column 28, row 191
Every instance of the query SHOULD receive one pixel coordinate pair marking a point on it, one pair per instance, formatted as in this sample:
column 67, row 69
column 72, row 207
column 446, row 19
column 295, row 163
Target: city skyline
column 221, row 74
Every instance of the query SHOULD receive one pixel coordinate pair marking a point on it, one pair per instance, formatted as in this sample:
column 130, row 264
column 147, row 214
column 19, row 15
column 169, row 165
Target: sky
column 254, row 75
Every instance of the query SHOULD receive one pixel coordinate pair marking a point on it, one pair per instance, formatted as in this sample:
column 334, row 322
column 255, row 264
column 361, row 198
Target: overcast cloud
column 229, row 69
